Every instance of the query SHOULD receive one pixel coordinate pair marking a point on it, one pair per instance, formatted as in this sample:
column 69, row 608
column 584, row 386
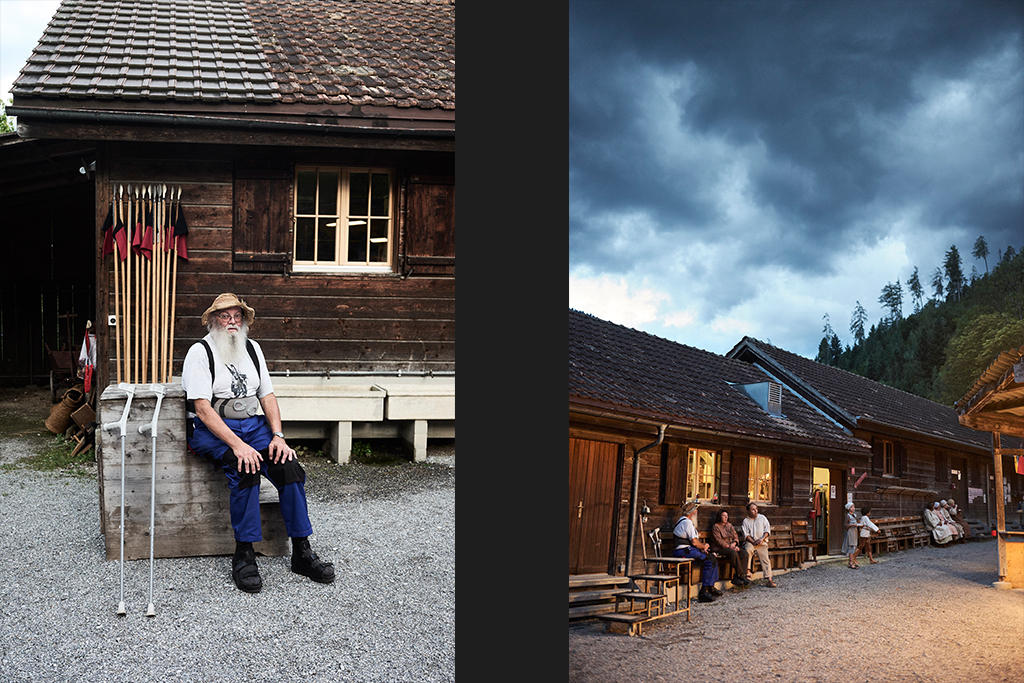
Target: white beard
column 230, row 347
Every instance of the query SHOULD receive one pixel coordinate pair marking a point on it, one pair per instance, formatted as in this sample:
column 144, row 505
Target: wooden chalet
column 921, row 452
column 995, row 404
column 653, row 423
column 313, row 143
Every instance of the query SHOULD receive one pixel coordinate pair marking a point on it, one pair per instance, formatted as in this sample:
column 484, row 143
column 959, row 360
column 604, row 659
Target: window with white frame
column 343, row 218
column 759, row 479
column 701, row 475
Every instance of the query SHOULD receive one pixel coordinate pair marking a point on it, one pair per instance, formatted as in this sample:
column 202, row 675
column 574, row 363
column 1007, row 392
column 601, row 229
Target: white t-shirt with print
column 235, row 380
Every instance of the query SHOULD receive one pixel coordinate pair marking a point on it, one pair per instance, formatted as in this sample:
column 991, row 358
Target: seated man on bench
column 226, row 382
column 688, row 544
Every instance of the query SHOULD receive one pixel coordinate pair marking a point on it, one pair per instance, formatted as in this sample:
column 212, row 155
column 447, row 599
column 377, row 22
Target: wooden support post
column 997, row 456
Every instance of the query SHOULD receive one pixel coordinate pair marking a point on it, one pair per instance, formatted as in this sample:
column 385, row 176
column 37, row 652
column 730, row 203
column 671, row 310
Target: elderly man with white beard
column 226, row 383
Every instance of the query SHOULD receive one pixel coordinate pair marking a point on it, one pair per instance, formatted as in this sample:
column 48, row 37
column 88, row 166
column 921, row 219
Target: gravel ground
column 389, row 616
column 929, row 614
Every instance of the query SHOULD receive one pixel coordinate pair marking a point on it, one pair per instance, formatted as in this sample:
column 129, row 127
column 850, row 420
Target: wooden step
column 624, row 618
column 586, row 611
column 654, row 577
column 637, row 595
column 589, row 580
column 593, row 596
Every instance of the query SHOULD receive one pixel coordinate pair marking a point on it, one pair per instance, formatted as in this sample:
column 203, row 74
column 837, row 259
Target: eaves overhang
column 112, row 124
column 691, row 425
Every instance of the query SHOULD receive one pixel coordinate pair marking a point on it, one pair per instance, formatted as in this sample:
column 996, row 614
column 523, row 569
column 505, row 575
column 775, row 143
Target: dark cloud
column 814, row 98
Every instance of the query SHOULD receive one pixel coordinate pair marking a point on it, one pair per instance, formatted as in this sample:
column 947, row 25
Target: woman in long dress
column 940, row 532
column 850, row 539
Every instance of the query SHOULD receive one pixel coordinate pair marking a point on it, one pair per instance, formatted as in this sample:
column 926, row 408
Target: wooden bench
column 801, row 537
column 782, row 543
column 783, row 552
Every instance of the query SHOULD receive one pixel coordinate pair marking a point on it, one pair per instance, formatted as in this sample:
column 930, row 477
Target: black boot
column 705, row 595
column 244, row 570
column 306, row 562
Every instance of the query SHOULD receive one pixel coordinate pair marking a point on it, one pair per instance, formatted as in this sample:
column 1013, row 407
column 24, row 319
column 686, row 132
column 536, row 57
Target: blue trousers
column 709, row 566
column 245, row 500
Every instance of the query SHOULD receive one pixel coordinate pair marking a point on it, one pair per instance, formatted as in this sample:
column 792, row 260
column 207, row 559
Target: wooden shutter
column 719, row 496
column 877, row 456
column 941, row 467
column 785, row 474
column 429, row 247
column 673, row 474
column 900, row 456
column 262, row 217
column 738, row 469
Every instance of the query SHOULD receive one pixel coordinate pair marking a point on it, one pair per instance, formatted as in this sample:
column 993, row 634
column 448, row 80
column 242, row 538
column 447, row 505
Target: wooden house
column 313, row 143
column 995, row 404
column 921, row 452
column 653, row 423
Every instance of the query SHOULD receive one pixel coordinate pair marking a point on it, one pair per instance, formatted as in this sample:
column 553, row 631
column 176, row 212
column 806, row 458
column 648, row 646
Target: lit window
column 702, row 475
column 759, row 479
column 343, row 217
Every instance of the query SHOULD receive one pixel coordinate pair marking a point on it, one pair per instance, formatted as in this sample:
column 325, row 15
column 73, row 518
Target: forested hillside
column 940, row 349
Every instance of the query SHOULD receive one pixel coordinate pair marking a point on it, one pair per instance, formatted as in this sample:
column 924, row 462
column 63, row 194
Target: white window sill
column 344, row 270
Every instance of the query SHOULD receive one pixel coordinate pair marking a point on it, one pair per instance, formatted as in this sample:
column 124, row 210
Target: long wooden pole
column 147, row 292
column 157, row 278
column 117, row 208
column 174, row 281
column 165, row 284
column 133, row 208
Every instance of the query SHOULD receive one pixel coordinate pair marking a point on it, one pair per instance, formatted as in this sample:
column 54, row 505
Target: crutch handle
column 123, row 422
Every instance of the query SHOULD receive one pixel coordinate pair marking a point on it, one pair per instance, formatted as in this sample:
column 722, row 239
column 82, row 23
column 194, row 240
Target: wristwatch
column 280, row 434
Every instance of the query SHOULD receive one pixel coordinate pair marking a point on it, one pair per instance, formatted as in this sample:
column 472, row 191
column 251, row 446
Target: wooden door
column 592, row 468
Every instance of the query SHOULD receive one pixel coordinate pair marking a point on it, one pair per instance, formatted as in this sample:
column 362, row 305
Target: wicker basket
column 60, row 413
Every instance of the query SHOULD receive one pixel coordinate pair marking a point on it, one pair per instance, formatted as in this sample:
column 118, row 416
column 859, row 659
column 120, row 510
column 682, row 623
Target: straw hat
column 687, row 508
column 228, row 300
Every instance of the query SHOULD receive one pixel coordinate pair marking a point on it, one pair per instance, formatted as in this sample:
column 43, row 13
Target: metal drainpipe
column 633, row 495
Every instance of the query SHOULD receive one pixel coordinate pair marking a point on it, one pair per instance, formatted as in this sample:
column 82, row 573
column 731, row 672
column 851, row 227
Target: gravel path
column 389, row 616
column 929, row 614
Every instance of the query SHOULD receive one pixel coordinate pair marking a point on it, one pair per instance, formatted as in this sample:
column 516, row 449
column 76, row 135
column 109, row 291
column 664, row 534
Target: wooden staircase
column 634, row 600
column 594, row 594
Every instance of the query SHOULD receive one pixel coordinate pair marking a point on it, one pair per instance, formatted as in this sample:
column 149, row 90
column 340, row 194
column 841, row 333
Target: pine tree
column 981, row 250
column 937, row 283
column 916, row 290
column 857, row 323
column 954, row 274
column 1009, row 254
column 892, row 298
column 835, row 350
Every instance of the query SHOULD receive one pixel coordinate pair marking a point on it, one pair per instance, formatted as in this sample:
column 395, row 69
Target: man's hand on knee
column 279, row 451
column 248, row 459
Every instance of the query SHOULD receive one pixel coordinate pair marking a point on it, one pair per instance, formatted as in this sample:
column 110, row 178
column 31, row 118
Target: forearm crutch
column 158, row 390
column 122, row 425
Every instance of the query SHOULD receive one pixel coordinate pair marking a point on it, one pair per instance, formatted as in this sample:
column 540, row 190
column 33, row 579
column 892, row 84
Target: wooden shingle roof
column 853, row 399
column 637, row 373
column 377, row 53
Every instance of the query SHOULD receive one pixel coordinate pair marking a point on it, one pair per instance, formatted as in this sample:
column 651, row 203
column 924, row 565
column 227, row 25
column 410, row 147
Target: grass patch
column 55, row 454
column 384, row 452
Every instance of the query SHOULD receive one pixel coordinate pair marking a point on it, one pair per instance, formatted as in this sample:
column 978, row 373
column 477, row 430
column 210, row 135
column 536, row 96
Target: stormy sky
column 744, row 168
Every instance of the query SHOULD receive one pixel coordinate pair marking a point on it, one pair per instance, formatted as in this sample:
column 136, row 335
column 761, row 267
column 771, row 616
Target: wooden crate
column 192, row 514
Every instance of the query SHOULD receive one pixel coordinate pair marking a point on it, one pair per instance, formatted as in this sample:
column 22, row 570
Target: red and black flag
column 142, row 242
column 114, row 232
column 178, row 236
